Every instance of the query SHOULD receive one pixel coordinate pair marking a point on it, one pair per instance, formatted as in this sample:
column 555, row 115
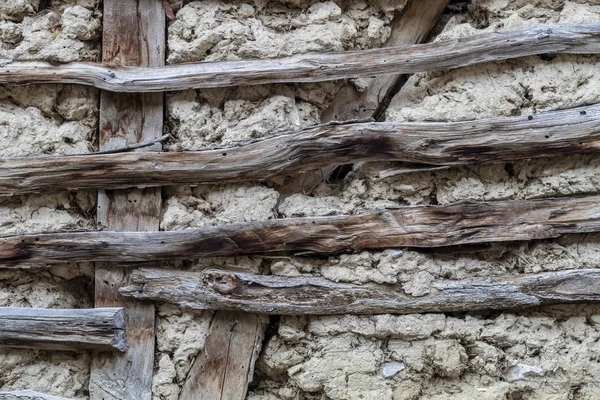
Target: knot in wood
column 546, row 33
column 224, row 284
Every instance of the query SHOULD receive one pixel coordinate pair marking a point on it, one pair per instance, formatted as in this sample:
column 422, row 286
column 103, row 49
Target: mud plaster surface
column 47, row 120
column 217, row 30
column 549, row 353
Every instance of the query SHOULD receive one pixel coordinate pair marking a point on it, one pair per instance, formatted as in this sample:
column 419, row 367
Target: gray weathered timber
column 583, row 38
column 226, row 290
column 225, row 366
column 133, row 35
column 547, row 134
column 59, row 329
column 29, row 395
column 419, row 227
column 410, row 27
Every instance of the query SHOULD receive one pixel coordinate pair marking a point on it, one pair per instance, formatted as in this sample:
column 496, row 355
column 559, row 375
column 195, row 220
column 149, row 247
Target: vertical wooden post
column 224, row 368
column 133, row 35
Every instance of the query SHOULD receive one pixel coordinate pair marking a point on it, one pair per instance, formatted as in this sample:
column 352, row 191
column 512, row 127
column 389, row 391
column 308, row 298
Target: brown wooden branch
column 411, row 27
column 552, row 133
column 419, row 227
column 226, row 290
column 583, row 38
column 59, row 329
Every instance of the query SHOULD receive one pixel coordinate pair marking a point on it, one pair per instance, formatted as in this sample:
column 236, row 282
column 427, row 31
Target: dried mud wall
column 228, row 30
column 44, row 120
column 548, row 353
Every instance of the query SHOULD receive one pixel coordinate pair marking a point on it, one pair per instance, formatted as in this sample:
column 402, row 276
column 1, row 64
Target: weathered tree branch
column 424, row 226
column 411, row 27
column 583, row 38
column 59, row 329
column 226, row 290
column 551, row 133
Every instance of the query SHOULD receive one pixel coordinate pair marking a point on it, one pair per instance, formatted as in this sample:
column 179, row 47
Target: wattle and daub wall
column 549, row 353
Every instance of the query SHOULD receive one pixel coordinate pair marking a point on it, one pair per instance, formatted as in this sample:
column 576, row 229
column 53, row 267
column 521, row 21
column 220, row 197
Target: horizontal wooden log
column 29, row 395
column 424, row 226
column 552, row 133
column 226, row 290
column 583, row 38
column 60, row 329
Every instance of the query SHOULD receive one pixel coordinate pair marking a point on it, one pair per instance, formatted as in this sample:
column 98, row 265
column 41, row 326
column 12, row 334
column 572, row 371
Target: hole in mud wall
column 338, row 175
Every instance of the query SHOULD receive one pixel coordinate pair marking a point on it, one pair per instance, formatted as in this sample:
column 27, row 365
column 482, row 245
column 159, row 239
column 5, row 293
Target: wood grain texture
column 417, row 227
column 226, row 290
column 29, row 395
column 133, row 36
column 60, row 329
column 583, row 38
column 548, row 134
column 411, row 26
column 224, row 368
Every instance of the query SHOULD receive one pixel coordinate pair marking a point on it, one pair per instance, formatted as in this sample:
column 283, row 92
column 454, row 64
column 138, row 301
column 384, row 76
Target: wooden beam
column 548, row 134
column 29, row 395
column 583, row 38
column 418, row 227
column 59, row 329
column 225, row 367
column 226, row 290
column 133, row 36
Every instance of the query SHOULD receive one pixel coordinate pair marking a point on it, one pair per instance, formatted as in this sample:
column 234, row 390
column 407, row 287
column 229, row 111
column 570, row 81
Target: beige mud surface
column 550, row 353
column 545, row 354
column 48, row 120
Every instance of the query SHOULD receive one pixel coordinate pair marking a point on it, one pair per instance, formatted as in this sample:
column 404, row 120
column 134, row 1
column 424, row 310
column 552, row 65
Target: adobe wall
column 549, row 353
